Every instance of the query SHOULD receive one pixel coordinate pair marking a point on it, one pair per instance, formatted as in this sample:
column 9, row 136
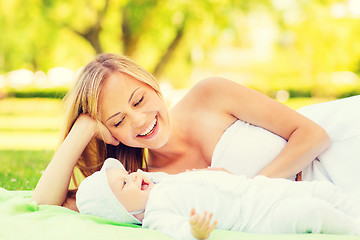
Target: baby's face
column 132, row 190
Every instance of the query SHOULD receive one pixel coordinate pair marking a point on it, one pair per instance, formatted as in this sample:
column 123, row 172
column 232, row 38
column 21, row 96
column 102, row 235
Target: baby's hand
column 201, row 226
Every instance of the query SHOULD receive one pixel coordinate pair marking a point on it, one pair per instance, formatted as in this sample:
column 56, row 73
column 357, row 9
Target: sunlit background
column 305, row 47
column 287, row 49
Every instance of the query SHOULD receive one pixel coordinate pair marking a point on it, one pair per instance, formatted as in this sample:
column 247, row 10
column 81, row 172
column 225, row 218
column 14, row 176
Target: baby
column 184, row 205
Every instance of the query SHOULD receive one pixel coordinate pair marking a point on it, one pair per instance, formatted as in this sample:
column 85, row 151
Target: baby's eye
column 124, row 183
column 138, row 102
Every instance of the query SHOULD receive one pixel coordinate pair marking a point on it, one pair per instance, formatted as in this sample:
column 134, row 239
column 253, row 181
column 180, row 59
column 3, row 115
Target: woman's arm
column 306, row 139
column 53, row 185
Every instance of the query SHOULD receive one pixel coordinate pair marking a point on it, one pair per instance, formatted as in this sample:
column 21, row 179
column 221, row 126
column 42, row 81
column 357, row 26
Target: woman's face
column 133, row 112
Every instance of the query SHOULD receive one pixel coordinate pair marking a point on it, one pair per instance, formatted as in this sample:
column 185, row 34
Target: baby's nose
column 133, row 176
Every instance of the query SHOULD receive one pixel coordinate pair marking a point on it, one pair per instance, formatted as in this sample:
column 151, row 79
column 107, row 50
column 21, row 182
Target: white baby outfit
column 257, row 205
column 246, row 149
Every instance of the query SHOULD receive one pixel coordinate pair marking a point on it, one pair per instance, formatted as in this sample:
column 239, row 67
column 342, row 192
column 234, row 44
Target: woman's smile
column 150, row 129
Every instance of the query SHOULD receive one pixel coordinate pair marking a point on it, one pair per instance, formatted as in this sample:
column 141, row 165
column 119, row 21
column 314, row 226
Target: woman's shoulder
column 200, row 97
column 211, row 85
column 211, row 97
column 203, row 108
column 207, row 91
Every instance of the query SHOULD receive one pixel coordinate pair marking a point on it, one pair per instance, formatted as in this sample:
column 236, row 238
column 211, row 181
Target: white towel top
column 246, row 149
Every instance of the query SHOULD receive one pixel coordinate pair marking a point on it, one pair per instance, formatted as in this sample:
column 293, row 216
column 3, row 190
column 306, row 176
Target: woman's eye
column 138, row 102
column 118, row 123
column 124, row 183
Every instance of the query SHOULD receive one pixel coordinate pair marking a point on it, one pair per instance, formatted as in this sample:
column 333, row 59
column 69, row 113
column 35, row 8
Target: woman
column 116, row 110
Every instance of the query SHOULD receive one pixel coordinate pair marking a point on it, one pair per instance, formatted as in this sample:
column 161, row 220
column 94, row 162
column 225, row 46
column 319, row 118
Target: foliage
column 275, row 44
column 37, row 92
column 313, row 92
column 296, row 92
column 31, row 108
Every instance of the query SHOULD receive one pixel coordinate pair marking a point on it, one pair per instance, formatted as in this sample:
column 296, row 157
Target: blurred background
column 296, row 51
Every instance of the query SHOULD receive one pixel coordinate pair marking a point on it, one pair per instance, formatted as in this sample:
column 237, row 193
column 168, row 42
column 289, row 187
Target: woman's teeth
column 149, row 129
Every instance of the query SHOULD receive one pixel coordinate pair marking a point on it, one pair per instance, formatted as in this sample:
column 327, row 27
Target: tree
column 165, row 36
column 143, row 24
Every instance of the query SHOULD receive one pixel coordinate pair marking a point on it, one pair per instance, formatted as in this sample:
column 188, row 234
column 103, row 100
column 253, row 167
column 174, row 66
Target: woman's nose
column 138, row 119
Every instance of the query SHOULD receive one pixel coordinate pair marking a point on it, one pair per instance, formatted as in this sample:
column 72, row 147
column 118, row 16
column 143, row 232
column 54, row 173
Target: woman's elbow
column 41, row 198
column 324, row 138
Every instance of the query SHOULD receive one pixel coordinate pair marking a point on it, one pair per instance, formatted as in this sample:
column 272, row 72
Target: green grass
column 21, row 169
column 29, row 124
column 29, row 130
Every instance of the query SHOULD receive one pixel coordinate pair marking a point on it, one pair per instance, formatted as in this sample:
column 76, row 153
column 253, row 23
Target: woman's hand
column 201, row 225
column 100, row 130
column 53, row 185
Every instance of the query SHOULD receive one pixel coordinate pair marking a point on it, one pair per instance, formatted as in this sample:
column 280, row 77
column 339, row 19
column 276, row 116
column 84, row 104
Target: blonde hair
column 84, row 98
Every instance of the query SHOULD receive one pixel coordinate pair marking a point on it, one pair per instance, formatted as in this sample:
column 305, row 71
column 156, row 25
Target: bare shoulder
column 213, row 86
column 231, row 99
column 211, row 92
column 227, row 96
column 206, row 104
column 199, row 99
column 202, row 115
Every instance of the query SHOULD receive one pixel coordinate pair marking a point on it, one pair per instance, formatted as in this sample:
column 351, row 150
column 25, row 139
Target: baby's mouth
column 144, row 185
